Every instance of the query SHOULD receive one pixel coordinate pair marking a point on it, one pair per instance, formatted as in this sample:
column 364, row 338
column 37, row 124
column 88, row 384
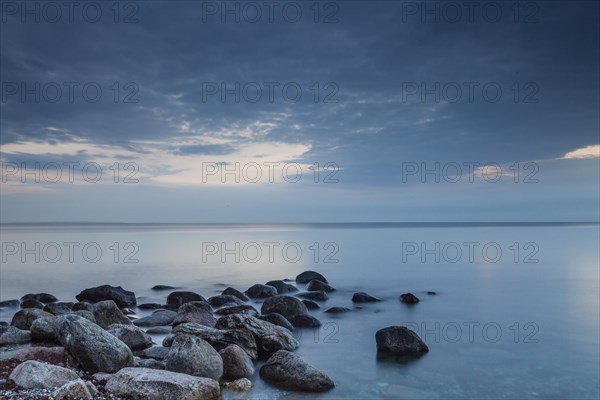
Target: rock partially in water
column 269, row 338
column 9, row 303
column 131, row 335
column 194, row 356
column 121, row 297
column 220, row 300
column 409, row 298
column 316, row 285
column 337, row 310
column 241, row 309
column 305, row 321
column 287, row 306
column 59, row 308
column 94, row 349
column 362, row 297
column 38, row 375
column 180, row 298
column 151, row 384
column 24, row 318
column 317, row 295
column 76, row 389
column 308, row 276
column 259, row 291
column 164, row 287
column 399, row 340
column 149, row 306
column 157, row 318
column 236, row 362
column 42, row 297
column 107, row 313
column 43, row 329
column 197, row 312
column 311, row 305
column 159, row 330
column 239, row 385
column 282, row 287
column 234, row 292
column 289, row 371
column 13, row 335
column 277, row 319
column 32, row 303
column 431, row 293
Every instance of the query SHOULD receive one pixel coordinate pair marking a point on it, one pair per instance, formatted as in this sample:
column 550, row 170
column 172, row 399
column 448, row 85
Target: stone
column 24, row 318
column 43, row 329
column 317, row 295
column 83, row 306
column 121, row 297
column 149, row 363
column 409, row 298
column 239, row 385
column 151, row 384
column 282, row 287
column 10, row 303
column 195, row 312
column 259, row 291
column 277, row 319
column 399, row 340
column 32, row 303
column 287, row 370
column 131, row 335
column 236, row 362
column 311, row 305
column 316, row 285
column 149, row 306
column 159, row 330
column 431, row 293
column 59, row 308
column 42, row 297
column 194, row 356
column 337, row 310
column 219, row 339
column 13, row 335
column 287, row 306
column 51, row 355
column 85, row 314
column 362, row 297
column 308, row 276
column 164, row 287
column 234, row 292
column 305, row 321
column 220, row 300
column 38, row 375
column 158, row 318
column 180, row 298
column 239, row 309
column 107, row 313
column 76, row 389
column 94, row 349
column 155, row 352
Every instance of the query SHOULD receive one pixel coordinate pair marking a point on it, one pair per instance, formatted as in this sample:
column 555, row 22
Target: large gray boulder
column 287, row 306
column 107, row 313
column 121, row 297
column 43, row 329
column 151, row 384
column 269, row 337
column 194, row 356
column 219, row 339
column 95, row 349
column 197, row 312
column 399, row 340
column 13, row 335
column 131, row 335
column 236, row 362
column 157, row 318
column 37, row 375
column 289, row 371
column 24, row 318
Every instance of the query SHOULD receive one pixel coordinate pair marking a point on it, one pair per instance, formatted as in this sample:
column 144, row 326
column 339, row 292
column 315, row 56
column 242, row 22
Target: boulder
column 399, row 340
column 32, row 303
column 311, row 305
column 282, row 287
column 241, row 309
column 316, row 285
column 239, row 385
column 158, row 318
column 234, row 292
column 107, row 313
column 409, row 298
column 85, row 314
column 220, row 300
column 180, row 298
column 151, row 384
column 83, row 306
column 269, row 337
column 42, row 297
column 219, row 339
column 51, row 355
column 38, row 375
column 362, row 297
column 94, row 349
column 121, row 297
column 76, row 389
column 287, row 306
column 236, row 362
column 317, row 295
column 194, row 356
column 148, row 363
column 197, row 312
column 277, row 319
column 308, row 276
column 305, row 321
column 43, row 329
column 59, row 308
column 24, row 318
column 155, row 352
column 131, row 335
column 289, row 371
column 13, row 335
column 9, row 303
column 259, row 291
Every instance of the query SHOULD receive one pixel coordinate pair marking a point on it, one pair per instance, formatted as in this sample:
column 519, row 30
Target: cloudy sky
column 193, row 111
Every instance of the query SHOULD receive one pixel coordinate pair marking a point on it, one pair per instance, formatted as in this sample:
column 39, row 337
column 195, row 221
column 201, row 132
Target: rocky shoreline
column 98, row 348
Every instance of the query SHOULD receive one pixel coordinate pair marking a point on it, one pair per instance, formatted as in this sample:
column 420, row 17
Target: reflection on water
column 516, row 314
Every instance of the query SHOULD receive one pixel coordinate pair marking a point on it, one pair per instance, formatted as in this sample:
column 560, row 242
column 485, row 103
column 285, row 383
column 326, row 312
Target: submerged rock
column 399, row 340
column 37, row 375
column 259, row 291
column 194, row 356
column 409, row 298
column 362, row 297
column 287, row 306
column 289, row 371
column 121, row 297
column 164, row 287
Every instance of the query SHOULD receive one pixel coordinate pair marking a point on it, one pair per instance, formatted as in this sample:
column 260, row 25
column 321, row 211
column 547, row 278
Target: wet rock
column 24, row 318
column 94, row 349
column 289, row 371
column 164, row 287
column 277, row 319
column 155, row 352
column 239, row 385
column 197, row 312
column 234, row 292
column 9, row 303
column 158, row 318
column 38, row 375
column 241, row 309
column 13, row 335
column 318, row 295
column 51, row 355
column 218, row 301
column 316, row 285
column 362, row 297
column 409, row 298
column 311, row 305
column 269, row 337
column 149, row 306
column 399, row 340
column 42, row 297
column 76, row 389
column 308, row 276
column 305, row 321
column 131, row 335
column 159, row 330
column 151, row 384
column 43, row 329
column 107, row 313
column 337, row 310
column 236, row 362
column 282, row 287
column 32, row 303
column 219, row 339
column 121, row 297
column 59, row 308
column 180, row 298
column 194, row 356
column 259, row 291
column 83, row 306
column 287, row 306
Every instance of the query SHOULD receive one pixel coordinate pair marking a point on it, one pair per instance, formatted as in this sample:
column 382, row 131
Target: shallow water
column 516, row 314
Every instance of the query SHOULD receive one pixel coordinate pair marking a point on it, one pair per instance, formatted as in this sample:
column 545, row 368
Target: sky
column 299, row 111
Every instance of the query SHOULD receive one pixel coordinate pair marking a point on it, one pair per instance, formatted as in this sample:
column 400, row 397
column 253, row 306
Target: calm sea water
column 516, row 314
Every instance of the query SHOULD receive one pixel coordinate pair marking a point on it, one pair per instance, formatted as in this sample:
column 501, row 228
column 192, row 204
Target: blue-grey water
column 516, row 314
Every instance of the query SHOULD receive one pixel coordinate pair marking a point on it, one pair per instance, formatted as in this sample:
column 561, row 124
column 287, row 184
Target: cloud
column 592, row 151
